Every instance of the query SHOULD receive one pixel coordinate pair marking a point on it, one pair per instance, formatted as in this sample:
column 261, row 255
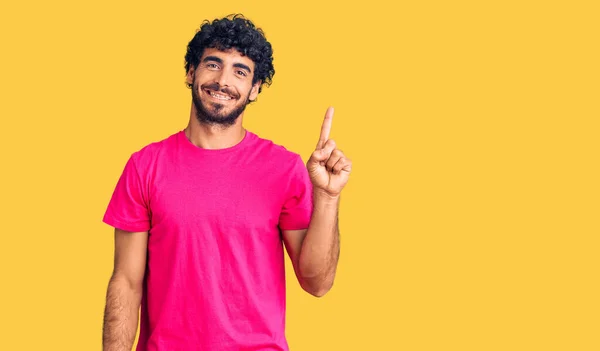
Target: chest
column 241, row 198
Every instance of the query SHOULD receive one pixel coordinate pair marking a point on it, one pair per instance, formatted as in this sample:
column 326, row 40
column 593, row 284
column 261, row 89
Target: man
column 202, row 216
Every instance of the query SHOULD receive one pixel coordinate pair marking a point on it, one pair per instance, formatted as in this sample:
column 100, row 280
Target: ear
column 254, row 91
column 189, row 78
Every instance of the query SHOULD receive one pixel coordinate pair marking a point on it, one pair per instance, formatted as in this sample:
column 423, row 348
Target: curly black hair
column 234, row 31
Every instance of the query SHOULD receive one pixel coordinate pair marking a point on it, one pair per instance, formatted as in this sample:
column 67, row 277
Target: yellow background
column 471, row 220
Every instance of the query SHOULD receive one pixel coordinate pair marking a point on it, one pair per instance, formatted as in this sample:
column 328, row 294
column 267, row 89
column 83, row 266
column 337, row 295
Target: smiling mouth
column 218, row 96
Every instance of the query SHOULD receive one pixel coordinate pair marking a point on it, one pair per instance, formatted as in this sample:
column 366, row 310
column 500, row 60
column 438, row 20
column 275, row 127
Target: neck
column 213, row 137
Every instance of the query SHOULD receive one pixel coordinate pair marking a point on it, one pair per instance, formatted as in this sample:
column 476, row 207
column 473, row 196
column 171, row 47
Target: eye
column 242, row 73
column 212, row 65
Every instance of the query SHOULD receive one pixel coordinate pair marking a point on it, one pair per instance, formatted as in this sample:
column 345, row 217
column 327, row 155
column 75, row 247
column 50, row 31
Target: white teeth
column 219, row 96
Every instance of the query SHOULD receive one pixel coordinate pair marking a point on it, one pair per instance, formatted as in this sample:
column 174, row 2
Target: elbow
column 317, row 289
column 315, row 281
column 319, row 292
column 126, row 283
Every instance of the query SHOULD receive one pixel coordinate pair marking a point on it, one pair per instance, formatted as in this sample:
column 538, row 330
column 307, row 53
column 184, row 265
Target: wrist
column 320, row 195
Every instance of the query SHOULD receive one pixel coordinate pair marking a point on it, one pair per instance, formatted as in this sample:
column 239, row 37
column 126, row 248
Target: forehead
column 229, row 56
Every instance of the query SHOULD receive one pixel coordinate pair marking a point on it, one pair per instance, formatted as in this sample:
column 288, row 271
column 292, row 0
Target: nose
column 223, row 78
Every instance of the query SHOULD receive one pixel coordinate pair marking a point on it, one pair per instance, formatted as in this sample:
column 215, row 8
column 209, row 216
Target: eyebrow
column 242, row 66
column 218, row 60
column 212, row 58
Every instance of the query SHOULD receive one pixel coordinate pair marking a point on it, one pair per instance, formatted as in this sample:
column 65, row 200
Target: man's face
column 222, row 86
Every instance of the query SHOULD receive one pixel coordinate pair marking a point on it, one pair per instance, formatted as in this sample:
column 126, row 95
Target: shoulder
column 276, row 152
column 150, row 152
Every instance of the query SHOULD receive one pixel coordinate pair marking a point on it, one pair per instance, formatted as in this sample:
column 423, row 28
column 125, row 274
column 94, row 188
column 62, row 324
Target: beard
column 212, row 113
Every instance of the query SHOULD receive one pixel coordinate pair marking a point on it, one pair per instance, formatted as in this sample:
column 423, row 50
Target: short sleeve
column 128, row 207
column 298, row 204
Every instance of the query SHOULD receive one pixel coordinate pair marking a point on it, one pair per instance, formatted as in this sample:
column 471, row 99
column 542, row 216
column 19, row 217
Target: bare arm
column 315, row 251
column 124, row 291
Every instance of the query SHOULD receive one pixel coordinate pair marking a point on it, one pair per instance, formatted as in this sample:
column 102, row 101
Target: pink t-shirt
column 215, row 275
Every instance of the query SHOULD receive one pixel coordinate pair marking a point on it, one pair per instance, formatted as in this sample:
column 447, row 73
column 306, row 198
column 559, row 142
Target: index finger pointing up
column 325, row 128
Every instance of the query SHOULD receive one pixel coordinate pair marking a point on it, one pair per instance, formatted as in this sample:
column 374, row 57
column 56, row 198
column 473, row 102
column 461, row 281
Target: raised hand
column 328, row 167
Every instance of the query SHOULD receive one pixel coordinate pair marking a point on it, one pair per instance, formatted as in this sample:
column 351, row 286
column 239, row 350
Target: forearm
column 120, row 315
column 321, row 246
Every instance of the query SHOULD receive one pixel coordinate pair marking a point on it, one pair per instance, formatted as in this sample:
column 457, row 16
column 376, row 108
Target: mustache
column 216, row 87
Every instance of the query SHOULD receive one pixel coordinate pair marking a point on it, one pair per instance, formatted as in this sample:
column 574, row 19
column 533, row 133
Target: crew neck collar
column 189, row 145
